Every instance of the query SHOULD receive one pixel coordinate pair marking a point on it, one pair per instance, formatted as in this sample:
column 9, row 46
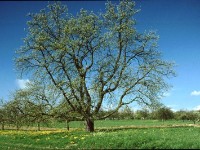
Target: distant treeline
column 20, row 113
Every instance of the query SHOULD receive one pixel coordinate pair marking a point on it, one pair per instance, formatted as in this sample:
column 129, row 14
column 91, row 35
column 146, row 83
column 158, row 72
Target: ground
column 115, row 134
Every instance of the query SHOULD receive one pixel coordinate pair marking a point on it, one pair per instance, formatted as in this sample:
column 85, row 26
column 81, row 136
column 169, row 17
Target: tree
column 181, row 115
column 142, row 114
column 193, row 116
column 15, row 114
column 94, row 59
column 64, row 113
column 41, row 99
column 3, row 114
column 164, row 113
column 18, row 109
column 31, row 105
column 2, row 118
column 126, row 113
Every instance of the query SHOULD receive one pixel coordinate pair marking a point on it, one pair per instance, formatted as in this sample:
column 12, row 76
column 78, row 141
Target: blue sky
column 177, row 22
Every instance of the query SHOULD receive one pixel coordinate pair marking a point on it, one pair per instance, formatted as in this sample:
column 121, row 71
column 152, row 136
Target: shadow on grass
column 112, row 129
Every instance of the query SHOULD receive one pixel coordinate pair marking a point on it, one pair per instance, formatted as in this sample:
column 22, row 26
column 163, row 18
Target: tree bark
column 17, row 126
column 2, row 127
column 67, row 125
column 90, row 125
column 38, row 125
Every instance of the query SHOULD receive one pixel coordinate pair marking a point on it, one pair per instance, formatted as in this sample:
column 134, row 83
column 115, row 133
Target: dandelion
column 37, row 140
column 66, row 136
column 48, row 138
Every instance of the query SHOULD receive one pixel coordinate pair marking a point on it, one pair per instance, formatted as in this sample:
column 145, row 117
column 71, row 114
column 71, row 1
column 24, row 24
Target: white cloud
column 166, row 94
column 174, row 110
column 195, row 93
column 197, row 107
column 21, row 83
column 173, row 107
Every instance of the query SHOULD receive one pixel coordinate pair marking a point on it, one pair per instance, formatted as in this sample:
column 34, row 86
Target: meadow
column 109, row 134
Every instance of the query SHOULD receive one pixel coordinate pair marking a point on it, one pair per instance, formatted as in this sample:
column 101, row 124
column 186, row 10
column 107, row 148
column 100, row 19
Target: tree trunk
column 194, row 121
column 38, row 125
column 89, row 125
column 2, row 127
column 17, row 126
column 67, row 125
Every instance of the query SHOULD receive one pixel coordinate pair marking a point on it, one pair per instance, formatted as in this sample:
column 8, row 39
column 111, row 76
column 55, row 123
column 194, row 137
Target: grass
column 145, row 138
column 118, row 123
column 135, row 138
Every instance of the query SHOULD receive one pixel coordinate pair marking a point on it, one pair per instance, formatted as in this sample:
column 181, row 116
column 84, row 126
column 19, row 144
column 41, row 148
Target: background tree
column 181, row 115
column 142, row 114
column 94, row 59
column 3, row 114
column 42, row 99
column 15, row 114
column 164, row 113
column 63, row 112
column 193, row 116
column 126, row 113
column 113, row 116
column 2, row 117
column 31, row 105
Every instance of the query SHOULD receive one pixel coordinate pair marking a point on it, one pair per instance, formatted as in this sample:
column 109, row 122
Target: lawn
column 119, row 123
column 115, row 137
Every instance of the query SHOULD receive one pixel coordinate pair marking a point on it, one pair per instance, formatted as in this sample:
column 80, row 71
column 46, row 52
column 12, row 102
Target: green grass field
column 118, row 123
column 109, row 134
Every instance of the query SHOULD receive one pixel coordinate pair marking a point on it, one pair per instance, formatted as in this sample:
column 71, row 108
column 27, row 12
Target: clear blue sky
column 177, row 22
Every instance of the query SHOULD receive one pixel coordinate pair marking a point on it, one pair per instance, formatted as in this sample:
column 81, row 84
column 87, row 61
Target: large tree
column 94, row 59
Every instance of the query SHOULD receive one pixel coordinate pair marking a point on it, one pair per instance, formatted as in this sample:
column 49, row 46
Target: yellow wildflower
column 37, row 140
column 48, row 138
